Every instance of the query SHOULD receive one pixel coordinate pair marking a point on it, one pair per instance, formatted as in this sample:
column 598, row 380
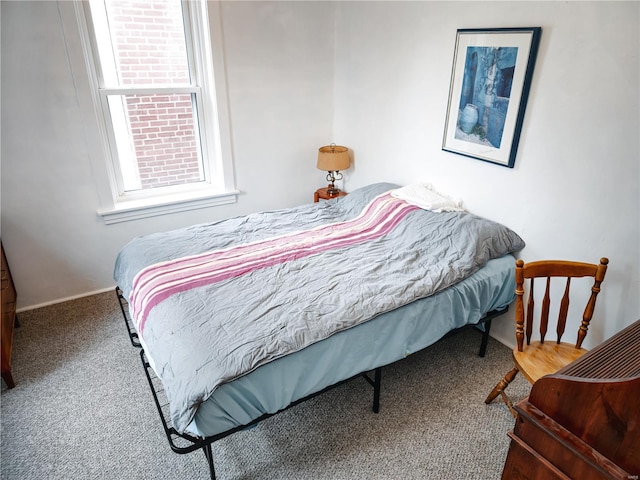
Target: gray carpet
column 81, row 409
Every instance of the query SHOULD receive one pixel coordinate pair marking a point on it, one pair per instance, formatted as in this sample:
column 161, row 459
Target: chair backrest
column 547, row 269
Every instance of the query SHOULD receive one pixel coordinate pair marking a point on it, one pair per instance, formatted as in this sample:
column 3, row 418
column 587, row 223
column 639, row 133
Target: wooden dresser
column 584, row 421
column 8, row 300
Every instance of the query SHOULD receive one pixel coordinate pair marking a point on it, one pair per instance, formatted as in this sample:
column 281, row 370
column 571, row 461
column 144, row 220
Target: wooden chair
column 538, row 358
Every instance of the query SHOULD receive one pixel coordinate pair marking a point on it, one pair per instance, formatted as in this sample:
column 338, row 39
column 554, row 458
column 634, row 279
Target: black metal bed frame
column 183, row 443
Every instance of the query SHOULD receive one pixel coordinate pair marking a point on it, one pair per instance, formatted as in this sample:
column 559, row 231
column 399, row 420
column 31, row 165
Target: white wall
column 279, row 60
column 574, row 191
column 370, row 75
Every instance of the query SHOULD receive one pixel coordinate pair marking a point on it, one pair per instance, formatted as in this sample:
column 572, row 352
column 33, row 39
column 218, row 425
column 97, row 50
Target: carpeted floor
column 81, row 409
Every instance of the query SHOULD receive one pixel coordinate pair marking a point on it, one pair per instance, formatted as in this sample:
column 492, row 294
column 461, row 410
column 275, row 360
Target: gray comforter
column 212, row 332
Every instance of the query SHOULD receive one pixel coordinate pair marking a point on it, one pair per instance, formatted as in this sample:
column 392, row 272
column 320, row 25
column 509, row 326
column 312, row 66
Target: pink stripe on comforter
column 158, row 282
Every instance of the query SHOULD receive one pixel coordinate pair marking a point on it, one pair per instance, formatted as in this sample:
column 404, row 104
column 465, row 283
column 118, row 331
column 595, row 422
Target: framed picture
column 490, row 80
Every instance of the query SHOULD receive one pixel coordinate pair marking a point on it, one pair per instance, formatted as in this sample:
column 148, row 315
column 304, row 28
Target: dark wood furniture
column 537, row 358
column 9, row 319
column 322, row 194
column 584, row 421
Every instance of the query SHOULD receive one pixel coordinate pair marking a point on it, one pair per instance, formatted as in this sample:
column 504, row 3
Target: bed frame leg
column 209, row 454
column 377, row 382
column 485, row 337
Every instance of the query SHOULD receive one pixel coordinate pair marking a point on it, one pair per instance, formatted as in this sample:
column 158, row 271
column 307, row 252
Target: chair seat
column 539, row 359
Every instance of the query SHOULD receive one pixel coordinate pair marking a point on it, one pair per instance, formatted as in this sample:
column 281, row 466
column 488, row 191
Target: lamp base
column 332, row 191
column 332, row 176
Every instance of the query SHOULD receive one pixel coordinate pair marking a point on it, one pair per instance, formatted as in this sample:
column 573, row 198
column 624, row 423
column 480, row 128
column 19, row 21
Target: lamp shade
column 333, row 158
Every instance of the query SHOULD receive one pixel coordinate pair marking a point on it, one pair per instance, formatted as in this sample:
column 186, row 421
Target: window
column 155, row 94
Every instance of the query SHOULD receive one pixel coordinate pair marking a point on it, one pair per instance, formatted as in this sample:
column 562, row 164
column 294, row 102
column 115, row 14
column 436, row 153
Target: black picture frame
column 490, row 82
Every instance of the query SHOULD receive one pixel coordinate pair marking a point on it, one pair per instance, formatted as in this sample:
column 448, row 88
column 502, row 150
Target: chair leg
column 507, row 402
column 502, row 384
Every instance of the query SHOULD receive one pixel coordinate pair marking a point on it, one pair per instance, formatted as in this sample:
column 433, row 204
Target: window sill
column 128, row 210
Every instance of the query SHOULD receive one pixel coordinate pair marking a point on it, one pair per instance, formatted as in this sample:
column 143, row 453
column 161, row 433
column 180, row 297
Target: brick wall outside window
column 150, row 50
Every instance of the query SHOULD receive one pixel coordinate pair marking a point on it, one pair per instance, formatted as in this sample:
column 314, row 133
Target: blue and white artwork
column 484, row 99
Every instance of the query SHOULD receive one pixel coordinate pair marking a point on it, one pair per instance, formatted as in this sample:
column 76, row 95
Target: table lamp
column 332, row 159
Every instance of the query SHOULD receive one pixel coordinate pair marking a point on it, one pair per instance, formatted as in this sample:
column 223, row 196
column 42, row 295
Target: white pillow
column 424, row 196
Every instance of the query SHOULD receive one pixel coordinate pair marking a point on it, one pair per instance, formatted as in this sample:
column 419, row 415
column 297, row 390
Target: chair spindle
column 544, row 316
column 564, row 308
column 530, row 305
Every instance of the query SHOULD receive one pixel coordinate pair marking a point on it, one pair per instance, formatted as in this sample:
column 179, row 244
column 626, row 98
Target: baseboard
column 509, row 342
column 67, row 299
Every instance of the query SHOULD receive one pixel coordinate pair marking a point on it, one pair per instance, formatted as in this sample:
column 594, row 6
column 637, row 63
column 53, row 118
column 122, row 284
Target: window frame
column 203, row 36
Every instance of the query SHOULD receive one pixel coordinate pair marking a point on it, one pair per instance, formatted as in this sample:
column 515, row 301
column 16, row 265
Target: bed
column 242, row 318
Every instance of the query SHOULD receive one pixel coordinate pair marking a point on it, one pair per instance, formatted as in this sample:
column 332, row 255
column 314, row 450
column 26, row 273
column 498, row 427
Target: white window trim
column 216, row 144
column 143, row 208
